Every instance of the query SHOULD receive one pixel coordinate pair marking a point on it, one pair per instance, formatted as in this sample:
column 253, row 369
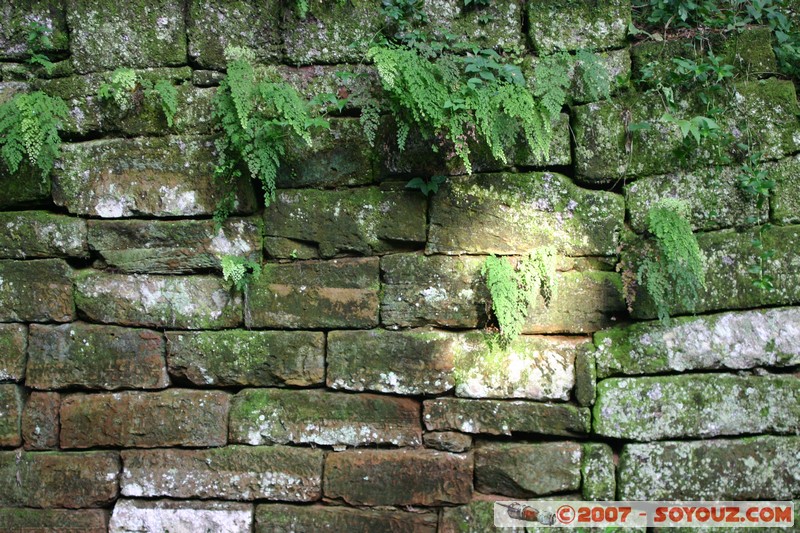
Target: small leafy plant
column 513, row 290
column 426, row 187
column 39, row 40
column 29, row 125
column 240, row 271
column 126, row 89
column 675, row 271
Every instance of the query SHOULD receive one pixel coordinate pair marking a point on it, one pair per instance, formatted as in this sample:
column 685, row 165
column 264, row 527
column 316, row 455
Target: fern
column 593, row 75
column 513, row 291
column 29, row 129
column 552, row 82
column 239, row 271
column 120, row 89
column 258, row 114
column 126, row 90
column 460, row 98
column 168, row 95
column 677, row 268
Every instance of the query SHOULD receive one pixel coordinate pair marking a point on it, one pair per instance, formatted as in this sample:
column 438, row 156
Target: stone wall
column 351, row 388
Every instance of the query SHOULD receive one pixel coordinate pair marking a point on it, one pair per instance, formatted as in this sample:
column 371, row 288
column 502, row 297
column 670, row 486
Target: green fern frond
column 168, row 95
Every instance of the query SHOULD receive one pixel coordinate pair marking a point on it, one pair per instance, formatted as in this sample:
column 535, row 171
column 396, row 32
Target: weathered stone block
column 192, row 302
column 403, row 362
column 755, row 468
column 147, row 33
column 785, row 200
column 281, row 518
column 229, row 473
column 36, row 291
column 340, row 156
column 332, row 32
column 531, row 367
column 475, row 517
column 359, row 86
column 698, row 405
column 342, row 293
column 24, row 188
column 154, row 176
column 46, row 520
column 504, row 31
column 13, row 347
column 585, row 375
column 392, row 477
column 40, row 423
column 175, row 417
column 17, row 17
column 276, row 416
column 605, row 150
column 598, row 472
column 729, row 284
column 95, row 357
column 504, row 418
column 282, row 248
column 714, row 197
column 175, row 246
column 554, row 25
column 247, row 358
column 524, row 470
column 56, row 479
column 437, row 290
column 514, row 213
column 131, row 516
column 418, row 159
column 737, row 340
column 214, row 25
column 91, row 115
column 9, row 89
column 364, row 221
column 10, row 415
column 447, row 441
column 35, row 234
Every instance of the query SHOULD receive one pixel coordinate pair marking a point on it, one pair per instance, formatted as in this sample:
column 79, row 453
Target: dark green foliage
column 426, row 186
column 127, row 91
column 676, row 271
column 258, row 114
column 240, row 271
column 29, row 125
column 38, row 41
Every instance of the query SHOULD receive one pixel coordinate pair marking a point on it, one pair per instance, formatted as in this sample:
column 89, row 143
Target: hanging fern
column 461, row 98
column 677, row 270
column 239, row 271
column 126, row 90
column 258, row 114
column 29, row 125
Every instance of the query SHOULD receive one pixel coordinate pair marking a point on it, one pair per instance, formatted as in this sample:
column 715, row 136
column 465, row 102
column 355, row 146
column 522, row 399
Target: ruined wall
column 351, row 387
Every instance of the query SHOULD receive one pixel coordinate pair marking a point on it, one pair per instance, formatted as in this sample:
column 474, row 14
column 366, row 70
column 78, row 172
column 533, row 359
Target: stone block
column 213, row 25
column 46, row 520
column 39, row 234
column 522, row 470
column 36, row 291
column 40, row 421
column 729, row 285
column 13, row 350
column 331, row 32
column 392, row 477
column 696, row 406
column 175, row 417
column 106, row 35
column 174, row 246
column 402, row 362
column 228, row 473
column 131, row 516
column 191, row 302
column 585, row 24
column 753, row 468
column 17, row 17
column 153, row 176
column 24, row 188
column 734, row 340
column 95, row 357
column 598, row 472
column 281, row 518
column 515, row 213
column 11, row 402
column 785, row 199
column 71, row 480
column 342, row 293
column 447, row 441
column 497, row 417
column 364, row 221
column 340, row 156
column 713, row 195
column 247, row 358
column 277, row 416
